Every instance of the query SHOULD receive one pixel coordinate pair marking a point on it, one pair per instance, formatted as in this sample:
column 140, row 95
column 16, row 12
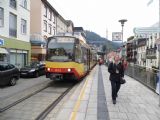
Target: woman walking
column 116, row 71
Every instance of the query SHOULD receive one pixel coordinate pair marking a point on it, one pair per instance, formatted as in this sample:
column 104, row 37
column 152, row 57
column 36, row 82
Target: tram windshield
column 60, row 49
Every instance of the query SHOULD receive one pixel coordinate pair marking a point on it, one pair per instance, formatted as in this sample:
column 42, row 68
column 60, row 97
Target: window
column 12, row 25
column 50, row 15
column 24, row 3
column 53, row 18
column 13, row 4
column 78, row 54
column 50, row 29
column 23, row 26
column 45, row 25
column 54, row 31
column 45, row 11
column 1, row 17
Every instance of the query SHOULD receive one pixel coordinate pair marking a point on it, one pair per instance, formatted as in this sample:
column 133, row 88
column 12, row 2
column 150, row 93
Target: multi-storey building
column 15, row 31
column 141, row 51
column 151, row 57
column 45, row 22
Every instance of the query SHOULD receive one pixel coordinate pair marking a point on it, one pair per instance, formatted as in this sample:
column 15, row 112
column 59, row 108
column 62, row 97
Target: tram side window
column 78, row 54
column 84, row 55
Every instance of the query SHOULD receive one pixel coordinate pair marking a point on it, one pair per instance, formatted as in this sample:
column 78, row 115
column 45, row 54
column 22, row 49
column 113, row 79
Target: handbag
column 122, row 81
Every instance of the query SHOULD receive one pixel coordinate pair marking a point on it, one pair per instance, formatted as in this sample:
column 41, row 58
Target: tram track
column 21, row 100
column 38, row 104
column 53, row 105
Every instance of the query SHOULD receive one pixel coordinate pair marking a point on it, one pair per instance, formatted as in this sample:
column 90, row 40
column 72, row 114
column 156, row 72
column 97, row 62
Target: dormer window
column 13, row 4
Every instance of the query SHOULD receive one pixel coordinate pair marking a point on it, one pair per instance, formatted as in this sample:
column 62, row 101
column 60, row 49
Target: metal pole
column 159, row 51
column 122, row 34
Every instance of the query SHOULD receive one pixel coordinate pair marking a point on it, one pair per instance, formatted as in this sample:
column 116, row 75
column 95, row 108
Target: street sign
column 1, row 42
column 116, row 36
column 146, row 30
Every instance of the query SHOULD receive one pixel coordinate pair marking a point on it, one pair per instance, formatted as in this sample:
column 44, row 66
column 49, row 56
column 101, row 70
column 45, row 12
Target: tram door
column 88, row 59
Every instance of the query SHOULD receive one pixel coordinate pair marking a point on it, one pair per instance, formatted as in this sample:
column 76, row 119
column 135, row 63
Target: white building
column 15, row 31
column 151, row 56
column 45, row 22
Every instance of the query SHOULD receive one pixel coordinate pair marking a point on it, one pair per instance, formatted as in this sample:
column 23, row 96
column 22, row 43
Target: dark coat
column 112, row 70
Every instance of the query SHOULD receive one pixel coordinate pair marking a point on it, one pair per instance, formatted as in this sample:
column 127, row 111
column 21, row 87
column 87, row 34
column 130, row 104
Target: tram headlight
column 69, row 70
column 48, row 69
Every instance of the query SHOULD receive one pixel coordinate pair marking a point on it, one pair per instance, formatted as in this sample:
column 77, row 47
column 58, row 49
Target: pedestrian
column 116, row 71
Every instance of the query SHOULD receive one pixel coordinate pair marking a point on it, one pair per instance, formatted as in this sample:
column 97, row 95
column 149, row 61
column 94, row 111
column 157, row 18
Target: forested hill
column 92, row 36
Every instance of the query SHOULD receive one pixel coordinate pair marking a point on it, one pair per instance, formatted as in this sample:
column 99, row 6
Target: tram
column 68, row 57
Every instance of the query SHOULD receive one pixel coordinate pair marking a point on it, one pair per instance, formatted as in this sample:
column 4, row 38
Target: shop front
column 3, row 55
column 16, row 52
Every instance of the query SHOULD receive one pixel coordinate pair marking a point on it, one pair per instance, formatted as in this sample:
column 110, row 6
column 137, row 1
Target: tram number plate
column 57, row 76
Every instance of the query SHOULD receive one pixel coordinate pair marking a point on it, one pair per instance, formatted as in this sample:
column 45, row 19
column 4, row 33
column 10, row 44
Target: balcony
column 151, row 53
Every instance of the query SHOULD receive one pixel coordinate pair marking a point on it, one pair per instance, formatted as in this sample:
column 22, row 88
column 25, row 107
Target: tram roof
column 74, row 35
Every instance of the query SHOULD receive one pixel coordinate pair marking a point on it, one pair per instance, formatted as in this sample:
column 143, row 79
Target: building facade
column 148, row 54
column 15, row 31
column 45, row 22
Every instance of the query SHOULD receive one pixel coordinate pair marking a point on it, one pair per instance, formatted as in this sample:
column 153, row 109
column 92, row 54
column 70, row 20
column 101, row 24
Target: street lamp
column 122, row 21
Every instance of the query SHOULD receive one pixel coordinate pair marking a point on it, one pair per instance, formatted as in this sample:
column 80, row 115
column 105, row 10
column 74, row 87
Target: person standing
column 116, row 71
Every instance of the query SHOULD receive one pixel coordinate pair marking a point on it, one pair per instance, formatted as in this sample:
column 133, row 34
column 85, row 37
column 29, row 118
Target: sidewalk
column 135, row 101
column 92, row 101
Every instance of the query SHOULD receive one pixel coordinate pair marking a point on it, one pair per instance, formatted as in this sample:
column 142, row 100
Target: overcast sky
column 100, row 15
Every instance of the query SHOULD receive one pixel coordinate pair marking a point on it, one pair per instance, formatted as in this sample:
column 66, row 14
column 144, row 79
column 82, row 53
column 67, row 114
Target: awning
column 3, row 51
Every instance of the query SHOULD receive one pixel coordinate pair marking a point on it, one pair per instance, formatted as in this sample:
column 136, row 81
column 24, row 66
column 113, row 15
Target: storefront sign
column 1, row 42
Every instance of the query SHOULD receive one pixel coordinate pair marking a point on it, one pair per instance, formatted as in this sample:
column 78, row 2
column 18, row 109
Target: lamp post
column 122, row 21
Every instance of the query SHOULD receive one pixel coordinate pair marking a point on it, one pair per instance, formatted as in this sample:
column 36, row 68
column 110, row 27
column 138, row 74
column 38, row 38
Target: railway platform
column 91, row 100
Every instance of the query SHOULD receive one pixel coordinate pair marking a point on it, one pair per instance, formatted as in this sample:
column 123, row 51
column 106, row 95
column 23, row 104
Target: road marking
column 80, row 97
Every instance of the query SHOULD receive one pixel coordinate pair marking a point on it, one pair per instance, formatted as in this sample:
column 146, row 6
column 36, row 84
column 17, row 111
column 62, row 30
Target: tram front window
column 60, row 49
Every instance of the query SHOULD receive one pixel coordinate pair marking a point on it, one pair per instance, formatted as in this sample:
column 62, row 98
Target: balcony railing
column 151, row 53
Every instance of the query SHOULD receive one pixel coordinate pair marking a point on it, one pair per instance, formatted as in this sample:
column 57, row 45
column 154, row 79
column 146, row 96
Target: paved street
column 22, row 84
column 23, row 88
column 90, row 100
